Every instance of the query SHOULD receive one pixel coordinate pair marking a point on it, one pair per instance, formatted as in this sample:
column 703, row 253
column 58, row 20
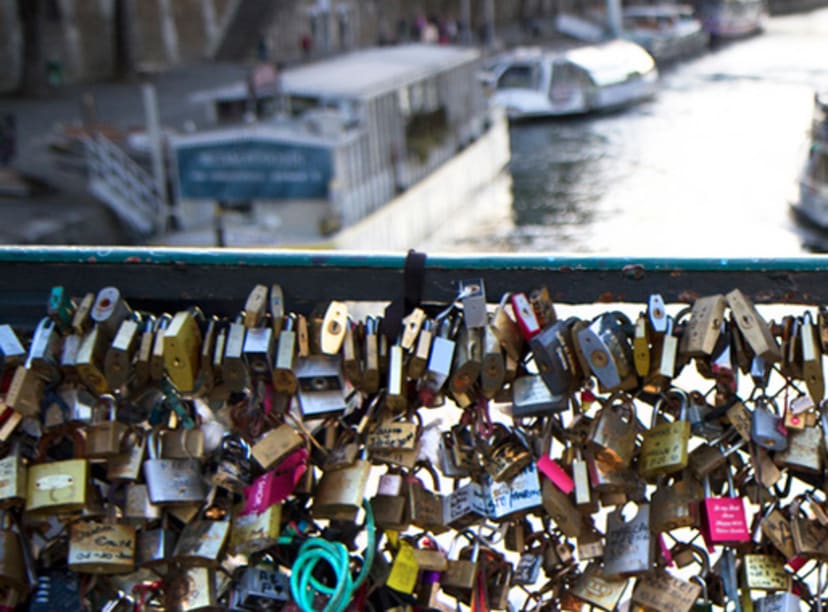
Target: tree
column 33, row 76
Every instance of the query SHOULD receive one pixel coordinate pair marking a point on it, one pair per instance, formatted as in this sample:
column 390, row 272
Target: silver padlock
column 172, row 481
column 321, row 389
column 765, row 425
column 259, row 588
column 531, row 397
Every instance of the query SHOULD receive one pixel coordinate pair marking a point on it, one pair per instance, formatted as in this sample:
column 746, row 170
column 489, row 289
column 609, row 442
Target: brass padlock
column 753, row 327
column 202, row 543
column 493, row 366
column 702, row 330
column 101, row 548
column 103, row 438
column 460, row 576
column 340, row 492
column 612, row 434
column 25, row 392
column 664, row 448
column 182, row 349
column 58, row 486
column 119, row 355
column 594, row 589
column 89, row 362
column 275, row 445
column 660, row 590
column 505, row 454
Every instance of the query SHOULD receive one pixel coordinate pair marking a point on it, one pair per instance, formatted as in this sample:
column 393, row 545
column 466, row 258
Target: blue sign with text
column 244, row 170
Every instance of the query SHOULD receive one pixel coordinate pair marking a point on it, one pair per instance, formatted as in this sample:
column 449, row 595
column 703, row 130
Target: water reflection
column 706, row 168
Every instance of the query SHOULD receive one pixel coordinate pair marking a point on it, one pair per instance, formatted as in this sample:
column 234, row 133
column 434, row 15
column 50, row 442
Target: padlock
column 142, row 364
column 766, row 427
column 206, row 378
column 592, row 588
column 753, row 327
column 44, row 351
column 402, row 576
column 182, row 349
column 194, row 589
column 275, row 445
column 321, row 389
column 390, row 505
column 275, row 486
column 255, row 532
column 505, row 454
column 127, row 463
column 778, row 602
column 333, row 328
column 396, row 391
column 89, row 362
column 13, row 571
column 25, row 391
column 440, row 360
column 472, row 294
column 812, row 360
column 810, row 538
column 465, row 506
column 664, row 448
column 804, row 452
column 109, row 311
column 412, row 325
column 121, row 351
column 418, row 359
column 425, row 507
column 58, row 486
column 607, row 348
column 612, row 435
column 340, row 492
column 260, row 588
column 103, row 438
column 554, row 353
column 506, row 330
column 233, row 470
column 395, row 433
column 202, row 542
column 531, row 560
column 460, row 577
column 702, row 330
column 561, row 509
column 284, row 379
column 463, row 383
column 138, row 508
column 448, row 464
column 675, row 505
column 660, row 590
column 493, row 366
column 13, row 480
column 11, row 349
column 513, row 497
column 172, row 482
column 723, row 518
column 764, row 572
column 351, row 358
column 234, row 372
column 525, row 317
column 101, row 547
column 531, row 397
column 629, row 549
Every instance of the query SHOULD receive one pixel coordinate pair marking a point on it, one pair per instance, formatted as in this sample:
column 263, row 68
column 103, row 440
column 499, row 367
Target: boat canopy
column 612, row 62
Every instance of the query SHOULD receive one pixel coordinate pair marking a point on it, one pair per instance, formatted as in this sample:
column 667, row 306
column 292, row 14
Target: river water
column 706, row 168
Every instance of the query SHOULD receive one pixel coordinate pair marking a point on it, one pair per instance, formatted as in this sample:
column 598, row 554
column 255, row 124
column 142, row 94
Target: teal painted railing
column 219, row 279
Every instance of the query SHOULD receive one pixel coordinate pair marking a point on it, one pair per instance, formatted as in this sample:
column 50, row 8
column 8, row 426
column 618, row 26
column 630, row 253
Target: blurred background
column 602, row 126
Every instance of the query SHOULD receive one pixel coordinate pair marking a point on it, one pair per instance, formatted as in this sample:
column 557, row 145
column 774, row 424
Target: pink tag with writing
column 554, row 472
column 275, row 486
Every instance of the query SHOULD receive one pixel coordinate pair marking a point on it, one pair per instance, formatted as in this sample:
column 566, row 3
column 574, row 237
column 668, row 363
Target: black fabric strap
column 412, row 295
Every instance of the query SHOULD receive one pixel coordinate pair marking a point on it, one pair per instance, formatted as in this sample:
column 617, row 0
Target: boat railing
column 129, row 190
column 167, row 279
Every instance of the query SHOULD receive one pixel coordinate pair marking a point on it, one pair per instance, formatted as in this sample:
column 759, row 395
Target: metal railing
column 219, row 280
column 121, row 183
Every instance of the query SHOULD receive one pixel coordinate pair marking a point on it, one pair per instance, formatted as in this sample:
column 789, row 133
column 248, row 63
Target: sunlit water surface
column 706, row 168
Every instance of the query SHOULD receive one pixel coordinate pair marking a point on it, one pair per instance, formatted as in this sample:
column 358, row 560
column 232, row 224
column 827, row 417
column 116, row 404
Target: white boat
column 724, row 19
column 668, row 32
column 535, row 82
column 812, row 204
column 372, row 150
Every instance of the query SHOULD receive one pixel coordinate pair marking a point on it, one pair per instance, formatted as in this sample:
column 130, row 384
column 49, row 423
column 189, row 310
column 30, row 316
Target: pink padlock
column 554, row 472
column 275, row 486
column 724, row 518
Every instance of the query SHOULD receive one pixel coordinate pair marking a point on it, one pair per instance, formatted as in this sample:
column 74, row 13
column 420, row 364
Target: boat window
column 520, row 76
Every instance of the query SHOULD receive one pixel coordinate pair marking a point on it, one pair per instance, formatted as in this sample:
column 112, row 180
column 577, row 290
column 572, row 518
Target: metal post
column 614, row 17
column 155, row 140
column 489, row 8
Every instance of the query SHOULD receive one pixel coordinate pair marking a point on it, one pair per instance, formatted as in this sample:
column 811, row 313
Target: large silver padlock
column 778, row 602
column 172, row 481
column 554, row 353
column 766, row 425
column 321, row 388
column 629, row 544
column 607, row 349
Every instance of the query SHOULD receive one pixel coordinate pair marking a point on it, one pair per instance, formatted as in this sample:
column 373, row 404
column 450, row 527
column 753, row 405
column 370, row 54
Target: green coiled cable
column 304, row 587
